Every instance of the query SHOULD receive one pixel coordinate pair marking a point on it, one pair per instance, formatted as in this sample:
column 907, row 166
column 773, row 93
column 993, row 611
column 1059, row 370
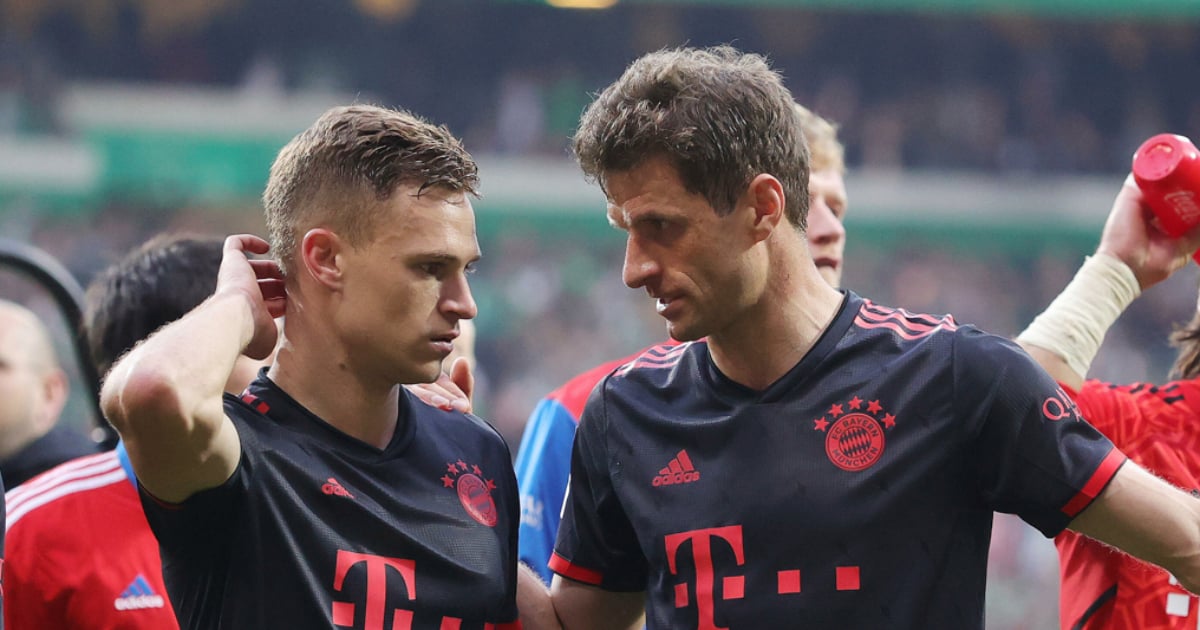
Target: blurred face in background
column 33, row 389
column 826, row 212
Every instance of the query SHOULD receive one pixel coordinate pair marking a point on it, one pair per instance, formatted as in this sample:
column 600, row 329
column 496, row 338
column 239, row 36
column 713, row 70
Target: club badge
column 854, row 438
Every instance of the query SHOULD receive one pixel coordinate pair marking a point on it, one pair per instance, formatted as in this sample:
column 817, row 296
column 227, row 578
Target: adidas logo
column 138, row 595
column 333, row 487
column 680, row 470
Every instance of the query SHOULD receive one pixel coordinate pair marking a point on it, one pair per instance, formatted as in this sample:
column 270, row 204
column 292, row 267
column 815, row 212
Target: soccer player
column 804, row 457
column 83, row 555
column 1155, row 425
column 327, row 495
column 544, row 458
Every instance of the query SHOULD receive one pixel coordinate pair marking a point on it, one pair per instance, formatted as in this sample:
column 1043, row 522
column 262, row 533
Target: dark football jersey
column 317, row 529
column 855, row 492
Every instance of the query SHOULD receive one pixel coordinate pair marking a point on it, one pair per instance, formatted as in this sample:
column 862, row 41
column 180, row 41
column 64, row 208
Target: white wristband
column 1076, row 321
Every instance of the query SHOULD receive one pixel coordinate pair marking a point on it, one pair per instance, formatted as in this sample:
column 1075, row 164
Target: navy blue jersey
column 857, row 491
column 316, row 529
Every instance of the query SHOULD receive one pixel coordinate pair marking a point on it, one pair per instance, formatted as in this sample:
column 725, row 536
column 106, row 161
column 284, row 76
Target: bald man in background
column 33, row 391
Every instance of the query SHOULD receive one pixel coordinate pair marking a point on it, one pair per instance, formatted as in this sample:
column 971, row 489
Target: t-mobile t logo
column 732, row 587
column 376, row 595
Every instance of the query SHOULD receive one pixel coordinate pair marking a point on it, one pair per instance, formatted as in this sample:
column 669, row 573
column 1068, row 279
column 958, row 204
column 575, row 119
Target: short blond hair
column 825, row 150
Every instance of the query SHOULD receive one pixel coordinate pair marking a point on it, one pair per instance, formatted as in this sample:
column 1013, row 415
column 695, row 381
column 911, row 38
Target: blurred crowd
column 998, row 92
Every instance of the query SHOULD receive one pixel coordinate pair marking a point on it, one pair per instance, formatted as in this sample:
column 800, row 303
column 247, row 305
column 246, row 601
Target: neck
column 775, row 334
column 318, row 375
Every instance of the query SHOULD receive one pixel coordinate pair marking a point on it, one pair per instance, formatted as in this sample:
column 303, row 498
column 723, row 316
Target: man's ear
column 320, row 255
column 54, row 398
column 765, row 195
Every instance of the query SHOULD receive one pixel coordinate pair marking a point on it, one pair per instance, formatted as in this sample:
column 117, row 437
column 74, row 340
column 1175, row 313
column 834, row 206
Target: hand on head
column 261, row 282
column 1132, row 235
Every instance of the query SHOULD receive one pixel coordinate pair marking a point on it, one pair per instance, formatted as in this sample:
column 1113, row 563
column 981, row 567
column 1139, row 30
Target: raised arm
column 1133, row 255
column 165, row 396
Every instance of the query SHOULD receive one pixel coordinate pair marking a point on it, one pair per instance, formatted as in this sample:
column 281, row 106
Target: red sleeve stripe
column 1104, row 473
column 563, row 567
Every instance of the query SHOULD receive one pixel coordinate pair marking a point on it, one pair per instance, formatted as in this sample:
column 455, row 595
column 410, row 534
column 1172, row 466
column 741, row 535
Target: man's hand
column 451, row 390
column 261, row 282
column 1131, row 234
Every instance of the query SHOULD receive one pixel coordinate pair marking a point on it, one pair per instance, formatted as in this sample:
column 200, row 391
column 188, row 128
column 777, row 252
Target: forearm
column 179, row 373
column 533, row 600
column 1065, row 338
column 1149, row 519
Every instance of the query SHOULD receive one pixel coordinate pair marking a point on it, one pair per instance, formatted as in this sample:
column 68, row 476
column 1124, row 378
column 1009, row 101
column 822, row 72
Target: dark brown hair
column 719, row 115
column 152, row 286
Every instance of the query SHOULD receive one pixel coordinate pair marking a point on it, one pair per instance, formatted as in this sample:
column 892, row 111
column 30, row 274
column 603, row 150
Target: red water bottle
column 1167, row 169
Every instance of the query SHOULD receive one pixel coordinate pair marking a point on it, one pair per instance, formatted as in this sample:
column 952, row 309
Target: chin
column 422, row 374
column 684, row 333
column 832, row 277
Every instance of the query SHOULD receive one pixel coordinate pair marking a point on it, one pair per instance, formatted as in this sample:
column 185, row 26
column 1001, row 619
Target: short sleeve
column 596, row 542
column 1035, row 456
column 200, row 525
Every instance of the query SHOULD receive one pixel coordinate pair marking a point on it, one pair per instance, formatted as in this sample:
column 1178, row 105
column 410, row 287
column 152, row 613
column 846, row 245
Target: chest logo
column 474, row 492
column 679, row 470
column 854, row 438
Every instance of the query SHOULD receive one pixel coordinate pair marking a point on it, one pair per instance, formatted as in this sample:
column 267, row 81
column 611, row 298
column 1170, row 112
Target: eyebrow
column 446, row 257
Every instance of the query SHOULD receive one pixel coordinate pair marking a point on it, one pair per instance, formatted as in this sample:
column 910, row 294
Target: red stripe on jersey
column 1104, row 473
column 655, row 357
column 892, row 326
column 907, row 325
column 929, row 319
column 563, row 567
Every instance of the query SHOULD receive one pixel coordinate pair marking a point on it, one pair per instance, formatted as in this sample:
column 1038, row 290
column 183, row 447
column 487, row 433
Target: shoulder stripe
column 906, row 325
column 656, row 357
column 922, row 317
column 32, row 502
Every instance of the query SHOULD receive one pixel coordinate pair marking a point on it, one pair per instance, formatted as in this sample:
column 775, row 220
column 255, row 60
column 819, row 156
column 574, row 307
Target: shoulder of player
column 654, row 362
column 573, row 394
column 1141, row 393
column 453, row 423
column 81, row 479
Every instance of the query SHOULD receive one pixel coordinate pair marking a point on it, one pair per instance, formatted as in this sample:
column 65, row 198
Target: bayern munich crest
column 854, row 438
column 474, row 492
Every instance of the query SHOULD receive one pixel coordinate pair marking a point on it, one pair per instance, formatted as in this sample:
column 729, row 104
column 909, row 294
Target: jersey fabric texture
column 1103, row 589
column 316, row 529
column 58, row 445
column 857, row 491
column 80, row 554
column 544, row 463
